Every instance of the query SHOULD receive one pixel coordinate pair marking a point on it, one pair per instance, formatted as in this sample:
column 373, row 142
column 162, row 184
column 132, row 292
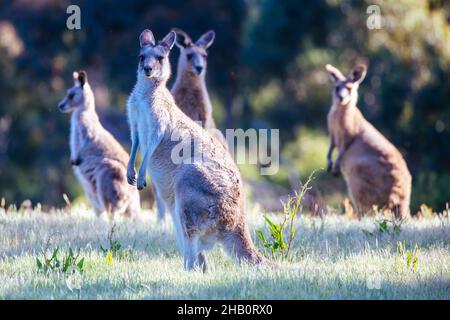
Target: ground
column 333, row 258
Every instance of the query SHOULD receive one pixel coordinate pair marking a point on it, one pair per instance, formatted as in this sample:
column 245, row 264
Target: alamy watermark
column 73, row 21
column 252, row 146
column 374, row 21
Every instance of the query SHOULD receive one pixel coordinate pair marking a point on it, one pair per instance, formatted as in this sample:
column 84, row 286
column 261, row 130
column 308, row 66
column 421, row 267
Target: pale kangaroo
column 374, row 170
column 204, row 196
column 189, row 89
column 98, row 160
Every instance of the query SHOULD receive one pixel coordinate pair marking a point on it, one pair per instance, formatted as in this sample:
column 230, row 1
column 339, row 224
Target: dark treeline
column 266, row 70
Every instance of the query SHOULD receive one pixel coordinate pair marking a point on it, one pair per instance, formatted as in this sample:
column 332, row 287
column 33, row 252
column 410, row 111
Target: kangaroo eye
column 189, row 56
column 159, row 58
column 70, row 96
column 205, row 55
column 141, row 57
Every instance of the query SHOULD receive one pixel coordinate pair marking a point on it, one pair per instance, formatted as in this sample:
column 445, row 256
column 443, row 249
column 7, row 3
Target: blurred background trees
column 266, row 70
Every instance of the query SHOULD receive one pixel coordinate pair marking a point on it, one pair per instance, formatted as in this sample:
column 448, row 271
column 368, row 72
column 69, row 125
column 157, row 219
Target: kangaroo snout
column 340, row 97
column 62, row 106
column 198, row 69
column 148, row 70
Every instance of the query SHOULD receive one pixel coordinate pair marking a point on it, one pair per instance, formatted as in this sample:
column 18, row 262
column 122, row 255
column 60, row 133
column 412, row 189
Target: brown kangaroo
column 189, row 90
column 374, row 170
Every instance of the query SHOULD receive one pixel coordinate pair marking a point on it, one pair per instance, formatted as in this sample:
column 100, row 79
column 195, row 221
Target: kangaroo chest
column 150, row 124
column 342, row 126
column 195, row 104
column 77, row 134
column 74, row 145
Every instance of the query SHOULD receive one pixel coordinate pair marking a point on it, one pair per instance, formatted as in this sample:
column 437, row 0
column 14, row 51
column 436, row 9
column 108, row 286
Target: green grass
column 332, row 258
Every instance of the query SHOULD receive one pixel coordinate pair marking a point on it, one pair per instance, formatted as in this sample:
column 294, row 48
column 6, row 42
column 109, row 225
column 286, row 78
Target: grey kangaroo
column 189, row 90
column 98, row 160
column 205, row 197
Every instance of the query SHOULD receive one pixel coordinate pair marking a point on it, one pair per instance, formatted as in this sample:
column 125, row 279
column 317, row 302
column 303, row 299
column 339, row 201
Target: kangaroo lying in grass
column 374, row 170
column 98, row 160
column 205, row 196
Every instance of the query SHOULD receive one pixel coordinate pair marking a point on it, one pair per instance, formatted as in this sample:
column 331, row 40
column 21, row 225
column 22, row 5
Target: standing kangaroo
column 205, row 197
column 189, row 89
column 98, row 160
column 374, row 170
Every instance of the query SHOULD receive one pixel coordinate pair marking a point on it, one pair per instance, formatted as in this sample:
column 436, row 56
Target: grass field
column 333, row 258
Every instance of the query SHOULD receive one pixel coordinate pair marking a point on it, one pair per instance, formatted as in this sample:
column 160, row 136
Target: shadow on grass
column 264, row 287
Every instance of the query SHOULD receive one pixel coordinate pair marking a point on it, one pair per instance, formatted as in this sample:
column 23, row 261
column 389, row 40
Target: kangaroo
column 374, row 170
column 98, row 160
column 205, row 197
column 189, row 89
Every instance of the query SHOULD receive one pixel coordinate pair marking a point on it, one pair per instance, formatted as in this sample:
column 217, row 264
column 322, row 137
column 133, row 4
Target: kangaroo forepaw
column 141, row 183
column 131, row 177
column 336, row 171
column 329, row 166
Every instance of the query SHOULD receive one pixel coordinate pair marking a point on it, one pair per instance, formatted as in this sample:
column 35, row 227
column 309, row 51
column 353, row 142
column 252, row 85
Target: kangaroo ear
column 334, row 73
column 82, row 77
column 358, row 74
column 168, row 41
column 206, row 39
column 75, row 78
column 182, row 39
column 146, row 38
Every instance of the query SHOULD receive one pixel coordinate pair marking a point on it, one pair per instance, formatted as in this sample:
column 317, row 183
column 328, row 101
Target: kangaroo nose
column 198, row 69
column 147, row 69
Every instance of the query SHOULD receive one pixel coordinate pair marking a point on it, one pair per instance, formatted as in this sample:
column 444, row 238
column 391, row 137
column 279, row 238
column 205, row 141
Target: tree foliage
column 266, row 69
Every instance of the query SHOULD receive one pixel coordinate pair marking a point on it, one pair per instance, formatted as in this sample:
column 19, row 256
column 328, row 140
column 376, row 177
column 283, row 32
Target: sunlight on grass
column 333, row 258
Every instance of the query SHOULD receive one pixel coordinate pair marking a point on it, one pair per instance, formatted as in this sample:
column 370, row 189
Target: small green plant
column 114, row 249
column 410, row 257
column 276, row 243
column 387, row 226
column 382, row 225
column 282, row 234
column 56, row 262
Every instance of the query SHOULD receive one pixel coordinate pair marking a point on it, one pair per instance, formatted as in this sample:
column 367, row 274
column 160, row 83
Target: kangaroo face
column 74, row 96
column 193, row 55
column 346, row 88
column 154, row 58
column 194, row 59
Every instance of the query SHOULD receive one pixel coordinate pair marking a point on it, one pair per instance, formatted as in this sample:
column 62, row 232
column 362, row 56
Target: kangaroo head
column 154, row 57
column 75, row 96
column 193, row 55
column 346, row 88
